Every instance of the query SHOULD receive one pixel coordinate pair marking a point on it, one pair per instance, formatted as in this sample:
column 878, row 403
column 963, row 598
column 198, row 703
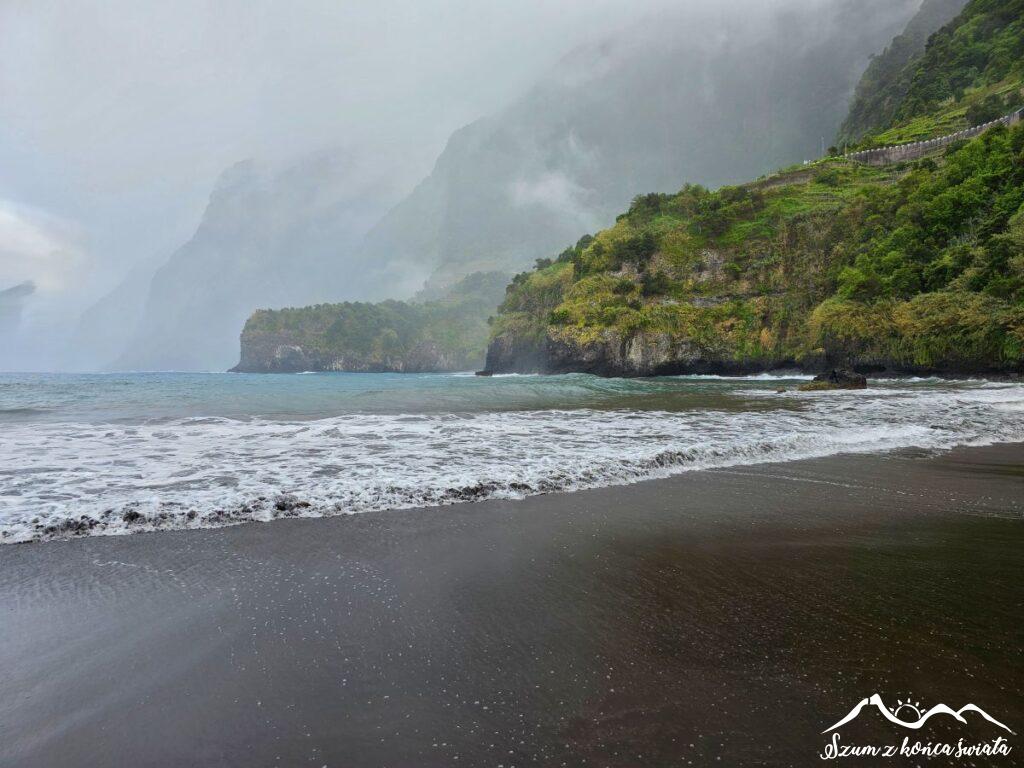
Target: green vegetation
column 915, row 267
column 971, row 71
column 888, row 77
column 911, row 267
column 447, row 334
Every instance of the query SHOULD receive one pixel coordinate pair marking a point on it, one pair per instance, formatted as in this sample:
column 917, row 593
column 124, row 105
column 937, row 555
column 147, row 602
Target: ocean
column 95, row 454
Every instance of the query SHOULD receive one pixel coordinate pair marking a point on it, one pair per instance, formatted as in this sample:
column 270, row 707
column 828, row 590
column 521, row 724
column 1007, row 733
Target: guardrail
column 902, row 152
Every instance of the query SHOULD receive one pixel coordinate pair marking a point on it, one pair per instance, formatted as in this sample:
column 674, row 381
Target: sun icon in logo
column 908, row 711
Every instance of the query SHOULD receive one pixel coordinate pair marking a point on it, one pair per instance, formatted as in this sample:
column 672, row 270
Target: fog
column 119, row 118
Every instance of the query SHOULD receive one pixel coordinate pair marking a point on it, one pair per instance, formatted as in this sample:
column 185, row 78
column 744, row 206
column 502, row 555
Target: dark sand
column 728, row 614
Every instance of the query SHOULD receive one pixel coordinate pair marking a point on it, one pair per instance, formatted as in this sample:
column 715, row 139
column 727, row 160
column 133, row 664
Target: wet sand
column 717, row 618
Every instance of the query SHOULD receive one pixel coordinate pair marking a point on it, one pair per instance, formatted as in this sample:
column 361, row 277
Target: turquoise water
column 119, row 453
column 140, row 397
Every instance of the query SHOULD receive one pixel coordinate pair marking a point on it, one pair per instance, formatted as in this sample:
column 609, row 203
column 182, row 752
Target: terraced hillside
column 912, row 267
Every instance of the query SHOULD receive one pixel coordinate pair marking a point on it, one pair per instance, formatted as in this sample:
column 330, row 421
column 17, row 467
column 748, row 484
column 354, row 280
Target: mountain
column 12, row 302
column 105, row 329
column 702, row 94
column 971, row 72
column 909, row 267
column 885, row 83
column 446, row 334
column 265, row 240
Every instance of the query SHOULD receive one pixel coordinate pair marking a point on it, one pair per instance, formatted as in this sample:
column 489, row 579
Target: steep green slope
column 887, row 79
column 913, row 267
column 443, row 335
column 972, row 71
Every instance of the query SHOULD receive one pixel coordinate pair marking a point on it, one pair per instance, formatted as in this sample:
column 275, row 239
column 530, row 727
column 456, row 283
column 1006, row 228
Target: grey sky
column 117, row 115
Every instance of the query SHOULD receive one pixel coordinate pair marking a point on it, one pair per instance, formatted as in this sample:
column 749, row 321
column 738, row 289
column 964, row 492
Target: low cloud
column 37, row 247
column 556, row 192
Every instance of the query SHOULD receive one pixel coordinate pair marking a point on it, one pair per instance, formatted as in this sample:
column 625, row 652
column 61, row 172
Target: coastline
column 729, row 613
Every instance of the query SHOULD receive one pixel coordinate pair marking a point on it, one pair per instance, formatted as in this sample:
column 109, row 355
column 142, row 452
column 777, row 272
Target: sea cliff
column 911, row 264
column 446, row 334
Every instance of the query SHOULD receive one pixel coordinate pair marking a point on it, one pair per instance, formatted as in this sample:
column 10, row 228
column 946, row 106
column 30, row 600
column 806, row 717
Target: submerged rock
column 835, row 379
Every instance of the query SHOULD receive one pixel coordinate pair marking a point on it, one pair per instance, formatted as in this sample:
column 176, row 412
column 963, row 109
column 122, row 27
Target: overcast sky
column 117, row 115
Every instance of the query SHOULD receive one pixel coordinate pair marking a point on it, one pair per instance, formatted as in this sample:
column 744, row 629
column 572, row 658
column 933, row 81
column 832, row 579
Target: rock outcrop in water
column 835, row 379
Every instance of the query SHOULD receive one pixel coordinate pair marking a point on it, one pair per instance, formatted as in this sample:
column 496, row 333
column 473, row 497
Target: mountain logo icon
column 908, row 714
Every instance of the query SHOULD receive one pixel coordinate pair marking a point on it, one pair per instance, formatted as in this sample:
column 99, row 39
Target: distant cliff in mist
column 448, row 333
column 265, row 240
column 698, row 95
column 701, row 94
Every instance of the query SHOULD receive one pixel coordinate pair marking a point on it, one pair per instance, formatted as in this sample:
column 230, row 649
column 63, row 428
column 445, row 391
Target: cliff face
column 915, row 267
column 447, row 334
column 663, row 354
column 613, row 353
column 12, row 301
column 266, row 239
column 840, row 264
column 279, row 353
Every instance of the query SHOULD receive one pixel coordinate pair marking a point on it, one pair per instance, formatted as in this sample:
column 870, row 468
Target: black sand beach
column 718, row 618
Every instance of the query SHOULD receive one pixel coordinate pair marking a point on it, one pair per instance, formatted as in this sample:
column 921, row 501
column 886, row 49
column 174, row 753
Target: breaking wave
column 60, row 479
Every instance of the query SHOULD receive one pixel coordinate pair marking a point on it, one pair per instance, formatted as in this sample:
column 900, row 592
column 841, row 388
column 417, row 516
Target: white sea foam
column 59, row 478
column 772, row 376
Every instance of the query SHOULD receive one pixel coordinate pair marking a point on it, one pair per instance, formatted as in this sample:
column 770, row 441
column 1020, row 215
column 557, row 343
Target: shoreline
column 237, row 450
column 740, row 372
column 264, row 510
column 728, row 613
column 1000, row 375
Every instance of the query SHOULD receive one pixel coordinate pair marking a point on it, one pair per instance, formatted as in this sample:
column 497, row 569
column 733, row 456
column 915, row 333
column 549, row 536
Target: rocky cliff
column 447, row 334
column 278, row 353
column 268, row 238
column 912, row 267
column 612, row 353
column 839, row 264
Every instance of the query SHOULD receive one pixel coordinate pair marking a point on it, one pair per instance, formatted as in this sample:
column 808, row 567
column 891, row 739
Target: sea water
column 119, row 453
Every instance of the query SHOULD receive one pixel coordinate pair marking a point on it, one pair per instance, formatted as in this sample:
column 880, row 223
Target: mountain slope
column 12, row 302
column 702, row 94
column 907, row 268
column 886, row 81
column 972, row 71
column 266, row 240
column 985, row 47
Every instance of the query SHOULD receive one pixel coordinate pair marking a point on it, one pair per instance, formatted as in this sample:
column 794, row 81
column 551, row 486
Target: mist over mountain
column 12, row 302
column 105, row 329
column 697, row 95
column 265, row 240
column 702, row 96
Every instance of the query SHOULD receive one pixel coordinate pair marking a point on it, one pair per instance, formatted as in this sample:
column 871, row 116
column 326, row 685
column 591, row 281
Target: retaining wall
column 903, row 152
